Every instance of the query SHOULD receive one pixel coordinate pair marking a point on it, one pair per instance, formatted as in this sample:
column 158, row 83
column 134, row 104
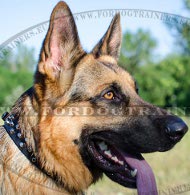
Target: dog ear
column 111, row 42
column 61, row 48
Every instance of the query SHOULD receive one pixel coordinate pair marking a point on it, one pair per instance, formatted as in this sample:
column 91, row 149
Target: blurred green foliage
column 164, row 82
column 15, row 75
column 137, row 50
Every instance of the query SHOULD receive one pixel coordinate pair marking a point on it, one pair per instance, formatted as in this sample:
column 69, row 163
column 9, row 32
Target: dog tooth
column 121, row 162
column 134, row 173
column 115, row 159
column 103, row 146
column 108, row 153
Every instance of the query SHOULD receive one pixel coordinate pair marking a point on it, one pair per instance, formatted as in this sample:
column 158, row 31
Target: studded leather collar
column 12, row 128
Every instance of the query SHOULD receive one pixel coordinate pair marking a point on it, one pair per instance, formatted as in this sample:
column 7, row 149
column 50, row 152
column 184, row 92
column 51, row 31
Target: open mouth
column 129, row 170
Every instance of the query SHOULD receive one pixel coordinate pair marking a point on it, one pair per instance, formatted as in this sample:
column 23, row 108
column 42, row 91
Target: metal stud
column 12, row 117
column 7, row 122
column 17, row 127
column 21, row 144
column 19, row 135
column 33, row 159
column 29, row 149
column 11, row 123
column 12, row 131
column 9, row 118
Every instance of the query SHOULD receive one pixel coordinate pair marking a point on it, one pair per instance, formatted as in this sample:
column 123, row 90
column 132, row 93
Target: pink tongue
column 146, row 184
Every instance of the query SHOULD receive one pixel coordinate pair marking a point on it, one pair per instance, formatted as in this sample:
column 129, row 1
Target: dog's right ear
column 61, row 48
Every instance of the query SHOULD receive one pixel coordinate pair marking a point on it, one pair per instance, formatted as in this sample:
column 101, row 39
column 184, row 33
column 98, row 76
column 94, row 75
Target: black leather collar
column 12, row 128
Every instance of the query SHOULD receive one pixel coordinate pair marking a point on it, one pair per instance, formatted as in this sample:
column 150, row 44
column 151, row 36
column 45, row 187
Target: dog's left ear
column 111, row 42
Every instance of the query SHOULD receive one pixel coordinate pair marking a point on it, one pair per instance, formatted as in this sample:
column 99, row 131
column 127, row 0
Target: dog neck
column 25, row 117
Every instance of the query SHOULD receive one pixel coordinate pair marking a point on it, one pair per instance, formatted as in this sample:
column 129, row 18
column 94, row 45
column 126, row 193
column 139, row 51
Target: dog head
column 96, row 122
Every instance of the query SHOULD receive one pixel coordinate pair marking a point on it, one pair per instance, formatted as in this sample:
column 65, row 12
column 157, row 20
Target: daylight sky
column 18, row 15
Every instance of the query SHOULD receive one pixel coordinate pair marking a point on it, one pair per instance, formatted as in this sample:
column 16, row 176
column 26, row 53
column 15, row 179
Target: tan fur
column 61, row 154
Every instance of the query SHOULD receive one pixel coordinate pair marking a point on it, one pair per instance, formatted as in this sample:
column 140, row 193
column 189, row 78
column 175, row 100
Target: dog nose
column 176, row 128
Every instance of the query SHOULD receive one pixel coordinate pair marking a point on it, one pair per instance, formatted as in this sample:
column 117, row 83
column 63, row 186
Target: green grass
column 171, row 169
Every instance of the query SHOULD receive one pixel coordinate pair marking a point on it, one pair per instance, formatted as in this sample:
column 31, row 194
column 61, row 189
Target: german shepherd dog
column 83, row 117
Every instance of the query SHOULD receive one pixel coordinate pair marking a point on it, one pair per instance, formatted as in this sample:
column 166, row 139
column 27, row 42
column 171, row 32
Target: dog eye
column 109, row 95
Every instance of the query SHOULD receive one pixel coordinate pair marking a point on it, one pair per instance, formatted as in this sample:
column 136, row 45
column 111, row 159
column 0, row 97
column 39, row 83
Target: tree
column 165, row 82
column 22, row 60
column 137, row 50
column 15, row 74
column 178, row 67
